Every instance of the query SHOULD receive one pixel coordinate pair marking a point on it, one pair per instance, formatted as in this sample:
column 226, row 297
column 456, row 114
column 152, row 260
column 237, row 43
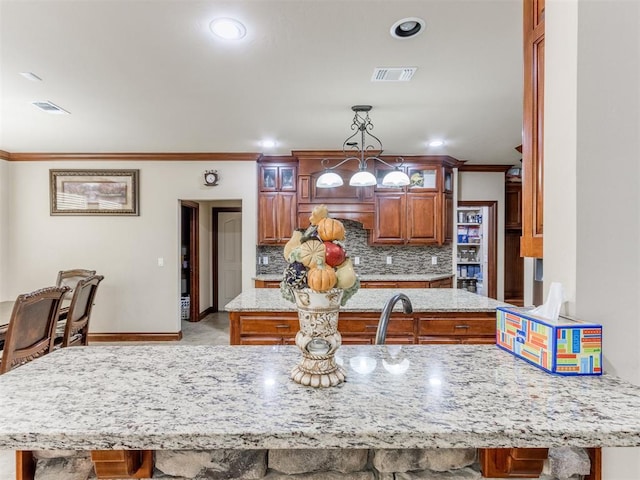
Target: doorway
column 226, row 257
column 491, row 242
column 189, row 260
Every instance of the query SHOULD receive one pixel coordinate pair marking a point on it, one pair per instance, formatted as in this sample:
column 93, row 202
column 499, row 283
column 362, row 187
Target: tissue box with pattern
column 564, row 347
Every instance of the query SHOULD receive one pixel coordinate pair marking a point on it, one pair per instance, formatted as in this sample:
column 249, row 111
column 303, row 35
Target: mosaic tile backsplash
column 413, row 260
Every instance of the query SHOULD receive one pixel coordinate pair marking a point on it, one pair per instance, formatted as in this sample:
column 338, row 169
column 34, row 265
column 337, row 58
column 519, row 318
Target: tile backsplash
column 411, row 260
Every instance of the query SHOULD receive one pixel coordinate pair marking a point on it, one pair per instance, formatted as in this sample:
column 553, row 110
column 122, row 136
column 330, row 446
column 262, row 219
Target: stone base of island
column 310, row 464
column 399, row 406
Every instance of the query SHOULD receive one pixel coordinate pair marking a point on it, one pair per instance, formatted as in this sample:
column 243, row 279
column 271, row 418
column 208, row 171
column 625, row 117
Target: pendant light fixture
column 364, row 150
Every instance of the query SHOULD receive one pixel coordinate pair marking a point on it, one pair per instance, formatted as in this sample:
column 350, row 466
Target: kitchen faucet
column 381, row 332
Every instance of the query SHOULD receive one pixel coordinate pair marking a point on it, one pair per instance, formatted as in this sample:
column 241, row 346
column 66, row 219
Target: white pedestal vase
column 318, row 338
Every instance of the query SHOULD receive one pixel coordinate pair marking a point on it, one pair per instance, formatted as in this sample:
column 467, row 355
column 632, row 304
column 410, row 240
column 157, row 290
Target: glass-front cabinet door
column 423, row 177
column 277, row 178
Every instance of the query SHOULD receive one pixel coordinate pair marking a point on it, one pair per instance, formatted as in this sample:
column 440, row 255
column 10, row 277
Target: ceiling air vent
column 399, row 74
column 50, row 107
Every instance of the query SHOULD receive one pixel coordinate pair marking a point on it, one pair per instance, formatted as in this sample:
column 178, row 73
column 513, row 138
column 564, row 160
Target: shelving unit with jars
column 471, row 251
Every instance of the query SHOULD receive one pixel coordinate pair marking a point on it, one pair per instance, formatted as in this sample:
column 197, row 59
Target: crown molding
column 157, row 157
column 484, row 168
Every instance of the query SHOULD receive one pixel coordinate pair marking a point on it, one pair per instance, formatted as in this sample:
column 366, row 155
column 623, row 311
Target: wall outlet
column 160, row 262
column 434, row 260
column 389, row 260
column 356, row 260
column 265, row 260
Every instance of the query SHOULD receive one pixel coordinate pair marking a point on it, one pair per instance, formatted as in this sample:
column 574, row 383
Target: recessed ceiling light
column 436, row 143
column 407, row 27
column 228, row 28
column 268, row 143
column 31, row 76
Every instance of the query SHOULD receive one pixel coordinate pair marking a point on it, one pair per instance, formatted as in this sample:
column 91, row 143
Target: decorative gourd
column 321, row 278
column 345, row 275
column 318, row 213
column 334, row 254
column 309, row 253
column 330, row 229
column 293, row 242
column 295, row 275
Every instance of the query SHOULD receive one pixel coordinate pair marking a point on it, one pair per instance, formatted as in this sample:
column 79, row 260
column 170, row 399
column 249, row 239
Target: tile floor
column 211, row 330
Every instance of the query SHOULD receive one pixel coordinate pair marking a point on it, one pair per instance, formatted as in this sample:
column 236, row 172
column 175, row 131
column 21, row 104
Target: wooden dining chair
column 31, row 329
column 76, row 328
column 70, row 278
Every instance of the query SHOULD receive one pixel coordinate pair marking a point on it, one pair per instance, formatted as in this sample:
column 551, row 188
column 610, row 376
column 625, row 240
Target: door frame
column 194, row 257
column 215, row 212
column 492, row 243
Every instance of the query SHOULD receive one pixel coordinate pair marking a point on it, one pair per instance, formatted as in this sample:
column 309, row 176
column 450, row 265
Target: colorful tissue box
column 565, row 347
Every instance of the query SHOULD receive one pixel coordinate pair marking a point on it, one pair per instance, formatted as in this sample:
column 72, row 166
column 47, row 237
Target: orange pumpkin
column 330, row 229
column 321, row 278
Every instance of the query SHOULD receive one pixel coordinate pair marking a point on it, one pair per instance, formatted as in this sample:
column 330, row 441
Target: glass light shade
column 395, row 178
column 362, row 179
column 329, row 180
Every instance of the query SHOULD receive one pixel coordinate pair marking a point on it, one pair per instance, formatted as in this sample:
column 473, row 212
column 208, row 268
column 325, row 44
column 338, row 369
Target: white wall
column 487, row 186
column 136, row 295
column 600, row 115
column 4, row 221
column 560, row 243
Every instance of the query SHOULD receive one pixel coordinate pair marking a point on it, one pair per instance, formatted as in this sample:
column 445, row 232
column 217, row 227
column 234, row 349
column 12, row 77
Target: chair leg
column 25, row 465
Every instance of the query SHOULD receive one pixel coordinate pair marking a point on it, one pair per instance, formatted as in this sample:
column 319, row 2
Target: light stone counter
column 209, row 397
column 373, row 300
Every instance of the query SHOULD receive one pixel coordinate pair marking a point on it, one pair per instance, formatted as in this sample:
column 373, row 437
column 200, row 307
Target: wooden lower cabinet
column 359, row 328
column 441, row 283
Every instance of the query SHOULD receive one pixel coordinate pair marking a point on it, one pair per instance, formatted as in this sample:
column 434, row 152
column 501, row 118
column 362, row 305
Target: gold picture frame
column 94, row 192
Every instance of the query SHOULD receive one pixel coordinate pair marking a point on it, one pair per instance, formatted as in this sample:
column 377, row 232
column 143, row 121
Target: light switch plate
column 434, row 260
column 356, row 260
column 389, row 260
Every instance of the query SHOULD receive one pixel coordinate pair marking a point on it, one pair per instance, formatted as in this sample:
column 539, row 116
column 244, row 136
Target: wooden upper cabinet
column 277, row 182
column 344, row 202
column 277, row 178
column 533, row 130
column 423, row 211
column 420, row 213
column 390, row 219
column 513, row 206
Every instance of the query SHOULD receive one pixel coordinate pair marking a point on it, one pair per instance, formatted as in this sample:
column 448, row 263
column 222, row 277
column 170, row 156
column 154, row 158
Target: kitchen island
column 440, row 315
column 195, row 398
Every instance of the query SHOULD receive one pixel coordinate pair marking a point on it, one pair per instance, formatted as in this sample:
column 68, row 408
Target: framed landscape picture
column 94, row 192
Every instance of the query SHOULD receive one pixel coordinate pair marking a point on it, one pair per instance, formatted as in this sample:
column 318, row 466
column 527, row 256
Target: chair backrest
column 30, row 333
column 77, row 326
column 69, row 278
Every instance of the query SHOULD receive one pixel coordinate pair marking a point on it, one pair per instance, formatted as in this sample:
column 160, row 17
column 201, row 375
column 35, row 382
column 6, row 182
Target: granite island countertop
column 203, row 397
column 375, row 277
column 373, row 300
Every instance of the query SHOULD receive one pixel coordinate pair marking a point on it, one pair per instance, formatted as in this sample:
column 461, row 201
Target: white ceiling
column 147, row 76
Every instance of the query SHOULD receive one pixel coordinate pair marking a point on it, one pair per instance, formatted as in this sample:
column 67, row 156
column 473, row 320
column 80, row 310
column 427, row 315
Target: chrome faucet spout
column 381, row 332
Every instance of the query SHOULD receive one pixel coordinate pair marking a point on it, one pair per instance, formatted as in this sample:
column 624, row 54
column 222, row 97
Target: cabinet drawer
column 271, row 325
column 366, row 326
column 457, row 327
column 374, row 284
